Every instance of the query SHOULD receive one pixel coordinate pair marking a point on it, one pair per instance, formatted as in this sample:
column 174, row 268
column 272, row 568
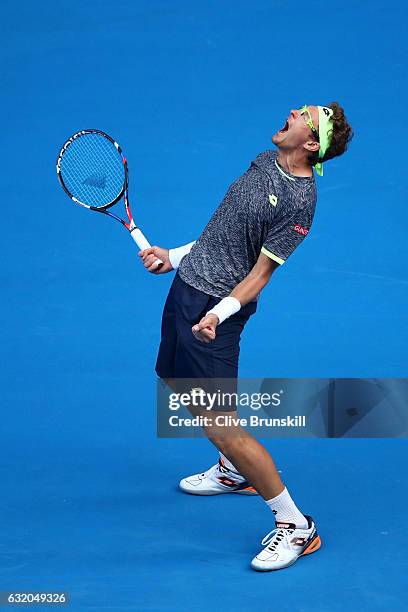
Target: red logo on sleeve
column 301, row 230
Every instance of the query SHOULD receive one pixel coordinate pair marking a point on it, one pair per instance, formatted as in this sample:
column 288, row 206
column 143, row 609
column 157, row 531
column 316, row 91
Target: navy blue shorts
column 181, row 355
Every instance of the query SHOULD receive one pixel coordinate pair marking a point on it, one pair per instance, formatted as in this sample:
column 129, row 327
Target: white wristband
column 176, row 255
column 226, row 308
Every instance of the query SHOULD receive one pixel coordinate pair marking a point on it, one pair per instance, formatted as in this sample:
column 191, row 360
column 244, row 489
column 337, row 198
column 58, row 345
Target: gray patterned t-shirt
column 266, row 209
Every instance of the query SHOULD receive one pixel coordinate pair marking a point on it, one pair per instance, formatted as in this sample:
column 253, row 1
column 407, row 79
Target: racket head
column 92, row 169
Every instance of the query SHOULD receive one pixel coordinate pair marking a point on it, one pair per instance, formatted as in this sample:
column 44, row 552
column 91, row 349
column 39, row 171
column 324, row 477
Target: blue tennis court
column 193, row 92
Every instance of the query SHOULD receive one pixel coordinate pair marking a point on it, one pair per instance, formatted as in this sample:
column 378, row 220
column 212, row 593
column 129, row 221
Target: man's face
column 296, row 133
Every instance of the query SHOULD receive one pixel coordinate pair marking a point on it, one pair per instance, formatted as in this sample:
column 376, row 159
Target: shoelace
column 275, row 536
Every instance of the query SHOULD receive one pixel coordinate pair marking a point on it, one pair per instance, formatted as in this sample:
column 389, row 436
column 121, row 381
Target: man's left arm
column 242, row 294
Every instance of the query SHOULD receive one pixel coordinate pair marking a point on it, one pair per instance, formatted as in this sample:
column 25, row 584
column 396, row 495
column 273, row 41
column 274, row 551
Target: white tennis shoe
column 285, row 544
column 218, row 479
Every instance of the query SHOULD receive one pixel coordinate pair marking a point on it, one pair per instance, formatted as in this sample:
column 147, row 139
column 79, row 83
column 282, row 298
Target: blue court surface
column 193, row 91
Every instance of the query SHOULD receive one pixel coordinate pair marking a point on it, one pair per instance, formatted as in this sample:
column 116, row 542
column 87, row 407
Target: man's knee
column 223, row 433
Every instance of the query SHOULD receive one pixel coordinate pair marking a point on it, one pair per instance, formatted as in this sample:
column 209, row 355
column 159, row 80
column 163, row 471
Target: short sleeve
column 287, row 232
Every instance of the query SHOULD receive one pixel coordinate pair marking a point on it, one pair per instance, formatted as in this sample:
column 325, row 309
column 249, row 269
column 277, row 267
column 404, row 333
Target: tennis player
column 264, row 217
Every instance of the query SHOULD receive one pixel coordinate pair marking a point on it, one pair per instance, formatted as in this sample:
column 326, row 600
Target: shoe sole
column 239, row 492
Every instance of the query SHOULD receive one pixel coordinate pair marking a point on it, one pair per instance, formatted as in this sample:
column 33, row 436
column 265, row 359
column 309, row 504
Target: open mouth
column 285, row 128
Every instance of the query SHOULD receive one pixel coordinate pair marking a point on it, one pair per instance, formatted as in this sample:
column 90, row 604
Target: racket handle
column 143, row 243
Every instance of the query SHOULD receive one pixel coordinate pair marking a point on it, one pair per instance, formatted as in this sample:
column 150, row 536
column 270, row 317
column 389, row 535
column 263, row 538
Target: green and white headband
column 325, row 134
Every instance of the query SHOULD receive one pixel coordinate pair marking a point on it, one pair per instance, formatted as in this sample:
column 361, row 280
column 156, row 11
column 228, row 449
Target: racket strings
column 92, row 170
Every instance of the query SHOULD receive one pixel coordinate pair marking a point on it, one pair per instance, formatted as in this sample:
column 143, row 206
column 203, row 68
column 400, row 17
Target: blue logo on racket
column 96, row 180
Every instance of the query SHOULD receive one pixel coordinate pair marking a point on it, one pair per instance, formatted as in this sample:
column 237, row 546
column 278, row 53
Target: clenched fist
column 205, row 329
column 150, row 257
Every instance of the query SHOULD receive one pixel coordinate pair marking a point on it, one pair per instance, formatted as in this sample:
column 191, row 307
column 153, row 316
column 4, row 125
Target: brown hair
column 342, row 134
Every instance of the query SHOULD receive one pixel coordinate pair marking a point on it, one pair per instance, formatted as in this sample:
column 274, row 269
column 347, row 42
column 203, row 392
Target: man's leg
column 295, row 534
column 248, row 456
column 253, row 461
column 217, row 360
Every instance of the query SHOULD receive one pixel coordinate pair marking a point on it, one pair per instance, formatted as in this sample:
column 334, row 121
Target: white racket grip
column 142, row 242
column 140, row 239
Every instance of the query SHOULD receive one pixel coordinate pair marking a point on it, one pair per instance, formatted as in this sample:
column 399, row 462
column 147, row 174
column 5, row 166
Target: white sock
column 286, row 511
column 228, row 464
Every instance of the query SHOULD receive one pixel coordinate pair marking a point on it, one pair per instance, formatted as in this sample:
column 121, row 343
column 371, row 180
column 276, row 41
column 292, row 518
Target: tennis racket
column 93, row 172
